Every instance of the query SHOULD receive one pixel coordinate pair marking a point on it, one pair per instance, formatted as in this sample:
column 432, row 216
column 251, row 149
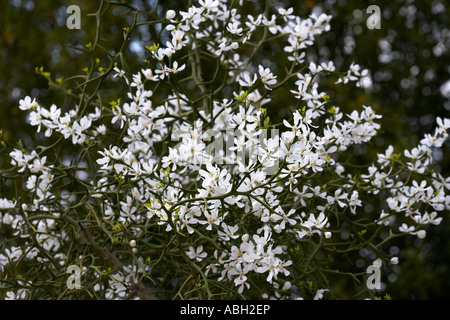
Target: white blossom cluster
column 66, row 125
column 419, row 200
column 238, row 220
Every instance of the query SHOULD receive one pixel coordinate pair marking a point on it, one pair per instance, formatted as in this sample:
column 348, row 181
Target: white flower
column 271, row 24
column 339, row 195
column 6, row 204
column 175, row 68
column 245, row 79
column 209, row 4
column 196, row 254
column 118, row 116
column 286, row 14
column 405, row 228
column 228, row 232
column 212, row 218
column 234, row 28
column 27, row 104
column 148, row 74
column 443, row 123
column 319, row 294
column 384, row 218
column 384, row 159
column 269, row 264
column 267, row 77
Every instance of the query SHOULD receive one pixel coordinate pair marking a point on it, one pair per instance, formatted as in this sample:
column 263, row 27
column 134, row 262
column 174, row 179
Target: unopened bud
column 421, row 234
column 170, row 14
column 394, row 260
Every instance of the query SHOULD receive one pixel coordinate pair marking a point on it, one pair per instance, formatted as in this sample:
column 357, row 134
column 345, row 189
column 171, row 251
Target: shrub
column 183, row 187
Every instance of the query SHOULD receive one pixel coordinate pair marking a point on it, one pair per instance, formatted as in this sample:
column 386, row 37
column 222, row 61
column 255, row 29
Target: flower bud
column 394, row 260
column 421, row 234
column 133, row 243
column 170, row 14
column 328, row 235
column 245, row 237
column 378, row 262
column 287, row 285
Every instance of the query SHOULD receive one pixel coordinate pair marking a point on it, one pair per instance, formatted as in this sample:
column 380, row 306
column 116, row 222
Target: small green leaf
column 332, row 110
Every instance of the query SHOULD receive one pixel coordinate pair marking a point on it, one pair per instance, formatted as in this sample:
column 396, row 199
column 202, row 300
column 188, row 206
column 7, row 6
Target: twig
column 138, row 289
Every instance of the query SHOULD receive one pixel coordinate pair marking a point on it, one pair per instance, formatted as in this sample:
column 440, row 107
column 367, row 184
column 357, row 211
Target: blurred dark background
column 408, row 58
